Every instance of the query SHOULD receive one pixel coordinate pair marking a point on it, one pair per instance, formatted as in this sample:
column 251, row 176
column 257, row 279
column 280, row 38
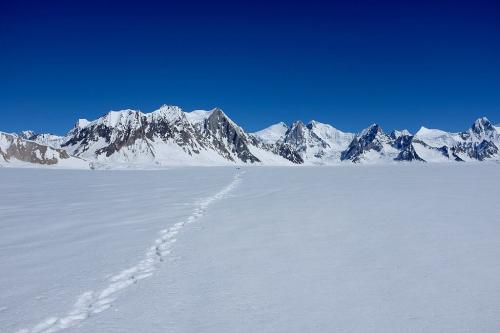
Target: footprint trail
column 97, row 301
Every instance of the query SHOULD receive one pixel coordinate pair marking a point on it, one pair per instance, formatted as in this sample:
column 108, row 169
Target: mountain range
column 169, row 136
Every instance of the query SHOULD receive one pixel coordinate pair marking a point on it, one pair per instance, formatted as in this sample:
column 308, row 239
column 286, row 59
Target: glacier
column 376, row 248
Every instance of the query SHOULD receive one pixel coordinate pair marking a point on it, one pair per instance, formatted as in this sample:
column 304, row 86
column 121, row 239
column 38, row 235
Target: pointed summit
column 370, row 139
column 218, row 120
column 81, row 123
column 168, row 113
column 482, row 126
column 169, row 136
column 371, row 131
column 297, row 135
column 395, row 134
column 298, row 124
column 313, row 123
column 482, row 129
column 271, row 134
column 404, row 143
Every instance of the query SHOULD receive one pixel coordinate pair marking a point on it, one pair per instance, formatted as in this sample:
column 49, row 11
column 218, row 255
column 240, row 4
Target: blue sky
column 347, row 63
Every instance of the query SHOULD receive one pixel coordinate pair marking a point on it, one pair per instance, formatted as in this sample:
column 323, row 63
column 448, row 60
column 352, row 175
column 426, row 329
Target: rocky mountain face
column 314, row 143
column 225, row 137
column 166, row 136
column 132, row 136
column 305, row 141
column 169, row 136
column 481, row 130
column 373, row 144
column 44, row 139
column 483, row 150
column 15, row 150
column 404, row 143
column 278, row 148
column 480, row 142
column 370, row 140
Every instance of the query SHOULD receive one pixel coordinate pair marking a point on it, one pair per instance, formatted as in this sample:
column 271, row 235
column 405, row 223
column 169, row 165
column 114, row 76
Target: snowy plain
column 380, row 248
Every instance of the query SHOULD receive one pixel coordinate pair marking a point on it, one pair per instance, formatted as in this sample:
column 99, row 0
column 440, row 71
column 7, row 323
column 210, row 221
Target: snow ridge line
column 97, row 301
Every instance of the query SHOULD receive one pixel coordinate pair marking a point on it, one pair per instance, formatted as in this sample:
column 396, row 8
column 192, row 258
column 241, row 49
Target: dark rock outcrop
column 370, row 139
column 23, row 150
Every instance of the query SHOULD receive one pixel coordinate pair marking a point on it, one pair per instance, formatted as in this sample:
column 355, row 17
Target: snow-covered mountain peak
column 168, row 109
column 371, row 145
column 480, row 130
column 482, row 122
column 223, row 135
column 16, row 150
column 119, row 118
column 435, row 137
column 395, row 134
column 216, row 114
column 218, row 118
column 316, row 125
column 332, row 136
column 197, row 116
column 27, row 134
column 81, row 123
column 168, row 113
column 169, row 136
column 46, row 139
column 424, row 131
column 313, row 123
column 316, row 142
column 371, row 132
column 297, row 134
column 272, row 133
column 298, row 124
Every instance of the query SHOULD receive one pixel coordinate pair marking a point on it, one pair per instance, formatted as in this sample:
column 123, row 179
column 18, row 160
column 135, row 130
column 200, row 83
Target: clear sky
column 348, row 63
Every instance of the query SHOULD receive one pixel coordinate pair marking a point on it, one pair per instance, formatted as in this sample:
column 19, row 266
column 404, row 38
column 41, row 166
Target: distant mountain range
column 169, row 137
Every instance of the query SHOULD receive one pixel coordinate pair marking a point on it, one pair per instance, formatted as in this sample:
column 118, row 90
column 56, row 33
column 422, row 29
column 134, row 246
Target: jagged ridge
column 169, row 136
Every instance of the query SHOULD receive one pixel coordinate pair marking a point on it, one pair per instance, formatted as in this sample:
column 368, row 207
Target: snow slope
column 59, row 247
column 198, row 116
column 436, row 138
column 391, row 248
column 272, row 134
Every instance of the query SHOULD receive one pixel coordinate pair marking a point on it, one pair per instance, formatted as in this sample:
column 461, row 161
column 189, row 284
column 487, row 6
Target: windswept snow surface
column 389, row 248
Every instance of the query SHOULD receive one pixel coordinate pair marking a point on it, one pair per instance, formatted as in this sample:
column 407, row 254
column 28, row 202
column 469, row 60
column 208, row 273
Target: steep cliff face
column 370, row 145
column 404, row 143
column 227, row 138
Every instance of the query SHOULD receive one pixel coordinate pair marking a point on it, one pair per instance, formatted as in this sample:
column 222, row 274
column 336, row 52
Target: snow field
column 393, row 248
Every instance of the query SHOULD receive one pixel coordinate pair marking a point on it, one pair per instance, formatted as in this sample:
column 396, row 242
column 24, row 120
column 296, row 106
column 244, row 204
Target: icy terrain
column 389, row 248
column 170, row 137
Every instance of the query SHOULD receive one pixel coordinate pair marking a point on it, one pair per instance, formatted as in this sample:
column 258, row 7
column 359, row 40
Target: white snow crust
column 385, row 248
